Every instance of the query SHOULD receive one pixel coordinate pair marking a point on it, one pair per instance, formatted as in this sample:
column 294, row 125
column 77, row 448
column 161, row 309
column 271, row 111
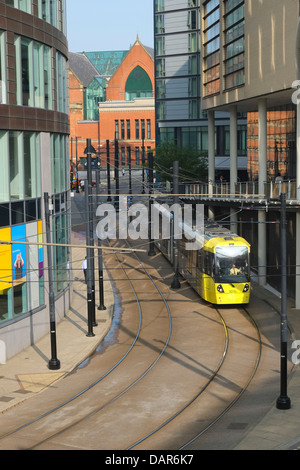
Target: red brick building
column 122, row 95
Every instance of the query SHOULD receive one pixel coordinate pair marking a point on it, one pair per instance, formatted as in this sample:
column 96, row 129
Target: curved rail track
column 85, row 390
column 238, row 396
column 210, row 383
column 168, row 382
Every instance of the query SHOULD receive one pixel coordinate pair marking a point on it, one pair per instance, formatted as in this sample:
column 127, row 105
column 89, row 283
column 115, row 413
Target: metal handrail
column 243, row 190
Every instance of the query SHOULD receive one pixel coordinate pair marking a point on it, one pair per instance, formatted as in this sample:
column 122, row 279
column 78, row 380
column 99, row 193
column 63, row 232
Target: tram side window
column 206, row 262
column 191, row 260
column 200, row 260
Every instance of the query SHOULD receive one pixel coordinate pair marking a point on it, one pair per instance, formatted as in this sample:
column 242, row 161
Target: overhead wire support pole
column 100, row 267
column 151, row 251
column 129, row 172
column 143, row 161
column 283, row 401
column 116, row 203
column 108, row 171
column 91, row 149
column 77, row 180
column 89, row 255
column 90, row 242
column 54, row 363
column 175, row 283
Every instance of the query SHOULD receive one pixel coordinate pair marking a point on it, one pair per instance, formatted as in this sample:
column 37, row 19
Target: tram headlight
column 220, row 289
column 246, row 288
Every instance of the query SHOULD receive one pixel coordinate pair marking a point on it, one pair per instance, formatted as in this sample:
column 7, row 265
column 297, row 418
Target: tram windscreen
column 232, row 264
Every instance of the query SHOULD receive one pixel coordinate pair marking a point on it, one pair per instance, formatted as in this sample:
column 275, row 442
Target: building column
column 233, row 162
column 233, row 149
column 262, row 178
column 262, row 248
column 211, row 159
column 262, row 145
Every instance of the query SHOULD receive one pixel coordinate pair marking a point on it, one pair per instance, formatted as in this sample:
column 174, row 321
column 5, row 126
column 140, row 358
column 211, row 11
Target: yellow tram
column 218, row 268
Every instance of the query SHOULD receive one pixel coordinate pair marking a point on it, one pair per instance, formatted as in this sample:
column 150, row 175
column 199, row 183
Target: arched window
column 138, row 85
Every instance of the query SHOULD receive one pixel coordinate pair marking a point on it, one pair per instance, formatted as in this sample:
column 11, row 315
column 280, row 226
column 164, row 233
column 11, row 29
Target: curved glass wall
column 22, row 264
column 36, row 75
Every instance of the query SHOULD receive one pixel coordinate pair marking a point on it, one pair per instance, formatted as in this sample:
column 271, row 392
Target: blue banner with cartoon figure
column 18, row 254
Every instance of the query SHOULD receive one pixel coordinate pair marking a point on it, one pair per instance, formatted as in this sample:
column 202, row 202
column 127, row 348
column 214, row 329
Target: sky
column 108, row 25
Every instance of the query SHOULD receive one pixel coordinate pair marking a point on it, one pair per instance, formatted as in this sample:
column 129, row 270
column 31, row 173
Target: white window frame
column 3, row 83
column 36, row 67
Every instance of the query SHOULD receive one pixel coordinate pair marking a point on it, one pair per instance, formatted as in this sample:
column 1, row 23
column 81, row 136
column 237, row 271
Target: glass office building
column 34, row 128
column 233, row 20
column 246, row 60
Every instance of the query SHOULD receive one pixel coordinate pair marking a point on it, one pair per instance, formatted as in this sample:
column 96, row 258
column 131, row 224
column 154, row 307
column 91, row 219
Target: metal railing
column 273, row 190
column 243, row 190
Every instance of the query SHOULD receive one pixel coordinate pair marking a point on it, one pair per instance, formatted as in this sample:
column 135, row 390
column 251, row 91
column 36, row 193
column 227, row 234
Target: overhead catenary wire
column 69, row 245
column 119, row 195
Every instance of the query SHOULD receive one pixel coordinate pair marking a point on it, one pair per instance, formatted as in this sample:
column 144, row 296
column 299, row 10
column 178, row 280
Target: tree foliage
column 192, row 162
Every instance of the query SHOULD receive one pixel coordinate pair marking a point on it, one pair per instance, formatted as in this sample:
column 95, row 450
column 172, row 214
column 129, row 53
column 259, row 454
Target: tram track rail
column 230, row 405
column 209, row 383
column 180, row 411
column 192, row 400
